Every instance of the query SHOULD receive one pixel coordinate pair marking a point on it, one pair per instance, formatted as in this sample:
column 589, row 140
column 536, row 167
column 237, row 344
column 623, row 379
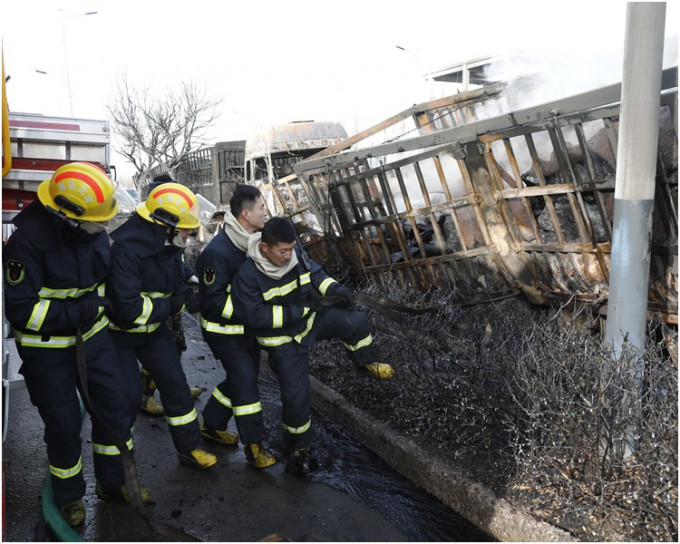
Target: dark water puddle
column 345, row 464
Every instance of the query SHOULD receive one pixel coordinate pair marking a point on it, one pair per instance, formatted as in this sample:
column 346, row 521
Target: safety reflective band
column 147, row 306
column 225, row 401
column 211, row 326
column 228, row 310
column 182, row 420
column 277, row 317
column 310, row 324
column 305, row 278
column 273, row 341
column 247, row 409
column 73, row 292
column 298, row 430
column 102, row 449
column 361, row 344
column 143, row 328
column 36, row 341
column 37, row 318
column 38, row 315
column 325, row 284
column 64, row 473
column 281, row 290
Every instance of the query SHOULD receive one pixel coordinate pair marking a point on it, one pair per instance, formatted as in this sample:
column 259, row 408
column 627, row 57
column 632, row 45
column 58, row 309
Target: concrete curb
column 475, row 502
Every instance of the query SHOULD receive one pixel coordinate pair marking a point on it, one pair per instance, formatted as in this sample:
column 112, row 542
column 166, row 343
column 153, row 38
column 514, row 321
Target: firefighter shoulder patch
column 208, row 276
column 15, row 272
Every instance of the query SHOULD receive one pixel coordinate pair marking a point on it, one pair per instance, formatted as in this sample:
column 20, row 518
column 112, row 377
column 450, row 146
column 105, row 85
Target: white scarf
column 263, row 264
column 236, row 233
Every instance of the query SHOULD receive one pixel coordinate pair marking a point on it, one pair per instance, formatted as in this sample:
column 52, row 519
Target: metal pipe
column 635, row 182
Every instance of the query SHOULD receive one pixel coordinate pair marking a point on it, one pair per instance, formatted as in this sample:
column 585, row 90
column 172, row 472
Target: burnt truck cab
column 270, row 153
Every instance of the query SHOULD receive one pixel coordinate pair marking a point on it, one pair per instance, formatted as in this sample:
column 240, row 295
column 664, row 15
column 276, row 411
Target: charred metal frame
column 490, row 207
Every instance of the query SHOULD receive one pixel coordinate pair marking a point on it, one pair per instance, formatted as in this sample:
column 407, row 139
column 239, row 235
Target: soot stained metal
column 457, row 195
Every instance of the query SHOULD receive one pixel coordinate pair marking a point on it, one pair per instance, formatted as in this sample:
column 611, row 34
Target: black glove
column 292, row 314
column 192, row 301
column 313, row 303
column 90, row 308
column 344, row 299
column 176, row 303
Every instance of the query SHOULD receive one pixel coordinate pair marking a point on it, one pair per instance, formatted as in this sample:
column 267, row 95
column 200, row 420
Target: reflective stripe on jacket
column 216, row 267
column 275, row 308
column 145, row 273
column 49, row 267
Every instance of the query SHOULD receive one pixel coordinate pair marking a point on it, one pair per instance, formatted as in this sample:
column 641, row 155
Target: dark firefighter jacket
column 277, row 310
column 49, row 267
column 146, row 278
column 216, row 267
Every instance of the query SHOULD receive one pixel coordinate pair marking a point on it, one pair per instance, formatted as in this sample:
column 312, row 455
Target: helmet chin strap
column 61, row 216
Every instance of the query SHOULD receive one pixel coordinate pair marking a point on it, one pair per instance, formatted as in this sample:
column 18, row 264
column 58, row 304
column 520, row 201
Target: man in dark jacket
column 146, row 286
column 55, row 270
column 230, row 342
column 276, row 293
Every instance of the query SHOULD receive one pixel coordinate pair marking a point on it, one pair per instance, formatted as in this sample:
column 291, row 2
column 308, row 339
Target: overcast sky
column 275, row 61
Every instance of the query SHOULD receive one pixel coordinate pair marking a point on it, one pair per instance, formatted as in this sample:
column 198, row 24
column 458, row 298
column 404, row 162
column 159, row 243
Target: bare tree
column 160, row 130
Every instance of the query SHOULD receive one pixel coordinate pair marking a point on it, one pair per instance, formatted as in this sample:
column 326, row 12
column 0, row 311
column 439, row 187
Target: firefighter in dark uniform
column 276, row 292
column 148, row 402
column 55, row 265
column 146, row 286
column 230, row 342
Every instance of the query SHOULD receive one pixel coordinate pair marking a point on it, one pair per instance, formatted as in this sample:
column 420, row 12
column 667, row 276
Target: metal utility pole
column 63, row 40
column 635, row 183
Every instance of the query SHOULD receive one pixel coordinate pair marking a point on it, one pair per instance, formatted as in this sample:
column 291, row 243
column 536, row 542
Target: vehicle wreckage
column 467, row 193
column 453, row 194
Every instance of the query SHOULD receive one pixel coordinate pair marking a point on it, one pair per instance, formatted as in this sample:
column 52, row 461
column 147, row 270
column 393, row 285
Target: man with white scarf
column 230, row 342
column 276, row 292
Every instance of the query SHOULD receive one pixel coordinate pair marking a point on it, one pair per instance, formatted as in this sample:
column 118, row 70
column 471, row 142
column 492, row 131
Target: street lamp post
column 63, row 39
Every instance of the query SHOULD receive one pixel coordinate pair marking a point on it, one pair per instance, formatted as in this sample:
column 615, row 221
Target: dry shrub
column 529, row 403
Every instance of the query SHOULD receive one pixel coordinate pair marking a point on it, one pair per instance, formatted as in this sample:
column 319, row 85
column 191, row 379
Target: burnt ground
column 477, row 387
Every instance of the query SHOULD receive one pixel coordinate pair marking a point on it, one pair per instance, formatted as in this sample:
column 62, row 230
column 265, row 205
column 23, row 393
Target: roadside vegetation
column 530, row 402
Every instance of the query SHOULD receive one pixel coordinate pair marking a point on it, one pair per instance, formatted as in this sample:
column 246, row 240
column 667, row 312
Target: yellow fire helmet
column 80, row 191
column 172, row 205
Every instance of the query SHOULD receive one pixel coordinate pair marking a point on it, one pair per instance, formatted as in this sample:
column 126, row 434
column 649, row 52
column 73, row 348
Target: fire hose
column 388, row 308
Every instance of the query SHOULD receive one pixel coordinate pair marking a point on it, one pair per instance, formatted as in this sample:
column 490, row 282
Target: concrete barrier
column 472, row 500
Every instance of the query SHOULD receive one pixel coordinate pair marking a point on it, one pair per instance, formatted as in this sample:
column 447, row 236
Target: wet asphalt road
column 353, row 496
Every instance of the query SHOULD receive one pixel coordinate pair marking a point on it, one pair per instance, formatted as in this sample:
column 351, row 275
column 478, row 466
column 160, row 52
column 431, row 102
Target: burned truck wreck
column 454, row 194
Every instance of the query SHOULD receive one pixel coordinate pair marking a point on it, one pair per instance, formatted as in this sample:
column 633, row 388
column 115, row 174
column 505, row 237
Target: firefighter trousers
column 52, row 381
column 157, row 353
column 290, row 363
column 238, row 394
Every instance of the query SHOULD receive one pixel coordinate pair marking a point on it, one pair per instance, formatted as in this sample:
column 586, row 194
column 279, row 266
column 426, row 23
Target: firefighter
column 230, row 342
column 55, row 266
column 148, row 402
column 146, row 286
column 276, row 292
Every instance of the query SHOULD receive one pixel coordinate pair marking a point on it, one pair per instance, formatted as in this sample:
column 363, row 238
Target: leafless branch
column 161, row 131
